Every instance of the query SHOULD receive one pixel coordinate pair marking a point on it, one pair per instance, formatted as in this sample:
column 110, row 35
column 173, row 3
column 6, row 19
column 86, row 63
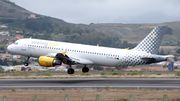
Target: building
column 4, row 33
column 61, row 68
column 19, row 36
column 32, row 16
column 16, row 68
column 19, row 32
column 3, row 26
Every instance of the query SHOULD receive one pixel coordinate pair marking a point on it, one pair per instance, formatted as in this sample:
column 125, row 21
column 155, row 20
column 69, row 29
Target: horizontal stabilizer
column 169, row 56
column 148, row 59
column 155, row 58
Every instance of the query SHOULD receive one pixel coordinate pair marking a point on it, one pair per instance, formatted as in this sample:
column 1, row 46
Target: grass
column 135, row 73
column 38, row 74
column 46, row 74
column 13, row 89
column 102, row 73
column 178, row 73
column 120, row 100
column 26, row 74
column 2, row 75
column 107, row 87
column 15, row 74
column 99, row 74
column 158, row 74
column 116, row 73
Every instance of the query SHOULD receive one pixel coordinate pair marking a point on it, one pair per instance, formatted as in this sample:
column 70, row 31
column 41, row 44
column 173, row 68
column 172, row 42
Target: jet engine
column 48, row 61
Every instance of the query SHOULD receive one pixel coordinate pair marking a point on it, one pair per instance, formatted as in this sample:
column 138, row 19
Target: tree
column 14, row 63
column 175, row 58
column 4, row 63
column 23, row 69
column 178, row 51
column 98, row 67
column 2, row 48
column 1, row 69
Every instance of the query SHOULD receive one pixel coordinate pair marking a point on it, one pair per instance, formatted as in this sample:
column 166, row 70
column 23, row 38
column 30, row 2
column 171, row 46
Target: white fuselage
column 98, row 55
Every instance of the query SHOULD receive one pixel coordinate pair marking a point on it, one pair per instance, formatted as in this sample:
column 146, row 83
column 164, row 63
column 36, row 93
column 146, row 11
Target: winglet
column 64, row 53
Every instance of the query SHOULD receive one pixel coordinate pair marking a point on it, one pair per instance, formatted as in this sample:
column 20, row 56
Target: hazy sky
column 106, row 11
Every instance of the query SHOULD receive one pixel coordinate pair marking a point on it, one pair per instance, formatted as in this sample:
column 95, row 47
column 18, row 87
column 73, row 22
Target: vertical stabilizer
column 151, row 43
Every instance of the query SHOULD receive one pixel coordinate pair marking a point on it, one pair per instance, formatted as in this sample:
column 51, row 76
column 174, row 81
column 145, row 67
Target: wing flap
column 51, row 55
column 65, row 58
column 81, row 60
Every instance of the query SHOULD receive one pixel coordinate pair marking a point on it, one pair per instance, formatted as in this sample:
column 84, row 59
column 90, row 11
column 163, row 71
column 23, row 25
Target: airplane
column 51, row 53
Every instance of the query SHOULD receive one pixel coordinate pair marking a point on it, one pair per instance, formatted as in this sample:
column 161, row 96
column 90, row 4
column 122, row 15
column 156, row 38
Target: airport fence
column 66, row 98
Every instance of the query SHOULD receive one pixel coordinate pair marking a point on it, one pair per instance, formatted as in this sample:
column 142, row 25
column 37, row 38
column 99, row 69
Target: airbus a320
column 51, row 53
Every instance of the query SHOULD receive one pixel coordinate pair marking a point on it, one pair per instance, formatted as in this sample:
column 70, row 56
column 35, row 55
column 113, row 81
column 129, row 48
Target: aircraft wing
column 74, row 60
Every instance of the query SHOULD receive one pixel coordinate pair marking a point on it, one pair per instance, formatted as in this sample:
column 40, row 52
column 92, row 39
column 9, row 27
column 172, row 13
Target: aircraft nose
column 9, row 48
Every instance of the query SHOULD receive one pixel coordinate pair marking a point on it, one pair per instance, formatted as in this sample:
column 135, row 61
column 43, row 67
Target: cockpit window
column 16, row 43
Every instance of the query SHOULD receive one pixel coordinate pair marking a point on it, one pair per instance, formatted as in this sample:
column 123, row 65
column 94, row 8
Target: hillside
column 11, row 10
column 136, row 32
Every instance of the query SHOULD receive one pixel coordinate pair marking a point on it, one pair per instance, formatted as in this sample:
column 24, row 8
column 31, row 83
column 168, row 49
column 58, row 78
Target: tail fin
column 151, row 43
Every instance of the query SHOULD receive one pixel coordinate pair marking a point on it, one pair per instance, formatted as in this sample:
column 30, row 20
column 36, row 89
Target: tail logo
column 152, row 41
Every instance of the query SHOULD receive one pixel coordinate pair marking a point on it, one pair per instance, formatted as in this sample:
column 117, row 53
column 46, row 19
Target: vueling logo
column 40, row 43
column 46, row 44
column 54, row 44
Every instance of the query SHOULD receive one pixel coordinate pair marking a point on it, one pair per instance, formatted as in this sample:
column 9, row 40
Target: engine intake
column 48, row 61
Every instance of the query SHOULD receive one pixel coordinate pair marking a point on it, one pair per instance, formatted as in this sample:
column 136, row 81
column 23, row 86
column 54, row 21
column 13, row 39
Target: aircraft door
column 24, row 46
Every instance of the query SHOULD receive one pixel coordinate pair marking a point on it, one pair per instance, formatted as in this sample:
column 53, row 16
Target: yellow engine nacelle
column 48, row 61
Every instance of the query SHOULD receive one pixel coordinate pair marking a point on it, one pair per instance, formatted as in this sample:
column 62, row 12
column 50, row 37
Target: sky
column 106, row 11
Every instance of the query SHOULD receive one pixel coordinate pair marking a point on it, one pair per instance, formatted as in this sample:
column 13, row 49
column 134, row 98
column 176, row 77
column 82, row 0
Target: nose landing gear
column 27, row 61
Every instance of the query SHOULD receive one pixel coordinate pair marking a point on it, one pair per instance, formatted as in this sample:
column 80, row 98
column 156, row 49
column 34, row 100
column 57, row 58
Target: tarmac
column 137, row 83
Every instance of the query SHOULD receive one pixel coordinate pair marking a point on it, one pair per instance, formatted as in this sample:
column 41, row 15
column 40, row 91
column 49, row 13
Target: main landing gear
column 85, row 69
column 71, row 70
column 27, row 61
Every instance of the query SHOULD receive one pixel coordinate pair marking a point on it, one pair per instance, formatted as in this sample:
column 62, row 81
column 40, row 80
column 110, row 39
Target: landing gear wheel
column 26, row 64
column 70, row 71
column 85, row 70
column 27, row 61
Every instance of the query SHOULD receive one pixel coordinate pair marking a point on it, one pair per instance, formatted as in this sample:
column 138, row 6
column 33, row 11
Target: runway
column 90, row 83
